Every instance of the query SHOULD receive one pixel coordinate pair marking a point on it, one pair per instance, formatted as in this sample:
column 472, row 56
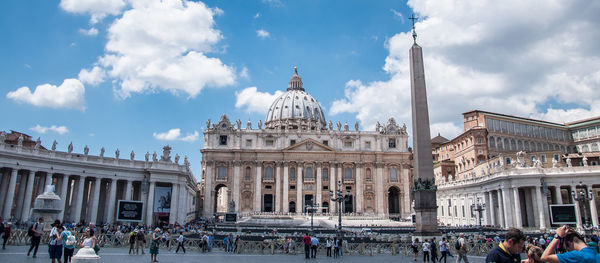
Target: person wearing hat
column 154, row 245
column 132, row 241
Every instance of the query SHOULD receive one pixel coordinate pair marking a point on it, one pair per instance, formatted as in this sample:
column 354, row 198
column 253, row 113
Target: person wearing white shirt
column 329, row 245
column 180, row 240
column 426, row 250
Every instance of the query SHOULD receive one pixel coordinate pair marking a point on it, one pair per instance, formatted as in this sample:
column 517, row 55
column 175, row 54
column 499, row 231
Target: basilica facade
column 298, row 159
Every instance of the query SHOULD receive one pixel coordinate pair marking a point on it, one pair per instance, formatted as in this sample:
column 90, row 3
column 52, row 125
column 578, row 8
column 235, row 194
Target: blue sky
column 123, row 73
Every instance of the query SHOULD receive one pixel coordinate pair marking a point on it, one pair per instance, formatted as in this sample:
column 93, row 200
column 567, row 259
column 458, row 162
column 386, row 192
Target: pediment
column 309, row 145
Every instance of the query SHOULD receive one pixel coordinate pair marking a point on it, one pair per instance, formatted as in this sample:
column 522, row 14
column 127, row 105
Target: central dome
column 295, row 109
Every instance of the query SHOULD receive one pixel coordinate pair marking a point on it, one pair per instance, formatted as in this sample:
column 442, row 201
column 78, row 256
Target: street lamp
column 479, row 207
column 340, row 198
column 311, row 208
column 583, row 198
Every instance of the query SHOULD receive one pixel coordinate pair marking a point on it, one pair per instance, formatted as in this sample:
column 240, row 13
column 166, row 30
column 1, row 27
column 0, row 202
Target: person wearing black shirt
column 508, row 251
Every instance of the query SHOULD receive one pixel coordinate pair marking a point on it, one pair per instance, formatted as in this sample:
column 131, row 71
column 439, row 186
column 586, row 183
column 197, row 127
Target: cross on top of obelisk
column 414, row 18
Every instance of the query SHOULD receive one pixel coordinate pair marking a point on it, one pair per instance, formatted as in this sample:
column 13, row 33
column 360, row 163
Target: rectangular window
column 292, row 142
column 223, row 140
column 325, row 174
column 463, row 211
column 268, row 187
column 556, row 157
column 347, row 144
column 221, row 172
column 543, row 158
column 326, row 142
column 348, row 173
column 292, row 187
column 392, row 143
column 269, row 142
column 325, row 187
column 368, row 145
column 248, row 143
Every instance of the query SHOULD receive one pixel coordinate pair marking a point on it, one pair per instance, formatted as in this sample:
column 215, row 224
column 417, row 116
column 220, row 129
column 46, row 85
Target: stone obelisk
column 424, row 183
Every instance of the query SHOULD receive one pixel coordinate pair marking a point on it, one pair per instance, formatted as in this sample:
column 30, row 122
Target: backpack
column 71, row 240
column 30, row 230
column 457, row 245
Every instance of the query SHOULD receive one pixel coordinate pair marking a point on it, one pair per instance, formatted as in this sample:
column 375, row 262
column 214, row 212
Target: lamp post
column 582, row 197
column 311, row 208
column 479, row 207
column 339, row 197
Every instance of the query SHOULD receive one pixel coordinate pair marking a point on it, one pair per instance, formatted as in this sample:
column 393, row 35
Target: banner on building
column 162, row 201
column 563, row 214
column 130, row 211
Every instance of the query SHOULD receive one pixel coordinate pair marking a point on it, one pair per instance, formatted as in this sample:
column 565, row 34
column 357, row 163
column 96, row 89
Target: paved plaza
column 14, row 254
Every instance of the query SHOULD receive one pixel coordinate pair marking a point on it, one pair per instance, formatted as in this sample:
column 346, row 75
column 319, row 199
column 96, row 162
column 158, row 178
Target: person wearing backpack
column 461, row 248
column 69, row 242
column 35, row 232
column 131, row 242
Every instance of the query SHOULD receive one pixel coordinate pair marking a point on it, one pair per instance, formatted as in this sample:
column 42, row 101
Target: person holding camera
column 574, row 243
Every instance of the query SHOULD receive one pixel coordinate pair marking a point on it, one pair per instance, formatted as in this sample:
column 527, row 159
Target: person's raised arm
column 549, row 255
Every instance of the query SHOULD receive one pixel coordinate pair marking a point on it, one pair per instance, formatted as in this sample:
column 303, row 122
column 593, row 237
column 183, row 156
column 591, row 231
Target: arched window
column 309, row 172
column 513, row 144
column 499, row 143
column 506, row 144
column 594, row 147
column 539, row 147
column 348, row 173
column 221, row 172
column 269, row 173
column 526, row 145
column 325, row 175
column 369, row 177
column 247, row 175
column 292, row 173
column 393, row 175
column 519, row 145
column 492, row 142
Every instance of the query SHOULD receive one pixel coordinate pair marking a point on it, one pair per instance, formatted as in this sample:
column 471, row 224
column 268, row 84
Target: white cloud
column 175, row 135
column 254, row 100
column 70, row 94
column 488, row 55
column 98, row 9
column 93, row 77
column 162, row 45
column 262, row 33
column 58, row 129
column 257, row 15
column 244, row 73
column 90, row 32
column 398, row 15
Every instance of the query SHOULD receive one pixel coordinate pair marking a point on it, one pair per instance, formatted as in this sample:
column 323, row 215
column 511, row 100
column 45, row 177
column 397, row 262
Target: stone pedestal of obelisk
column 424, row 189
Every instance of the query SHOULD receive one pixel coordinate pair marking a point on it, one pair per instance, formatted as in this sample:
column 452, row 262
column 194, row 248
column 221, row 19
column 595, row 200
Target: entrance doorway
column 349, row 205
column 292, row 207
column 268, row 203
column 221, row 199
column 308, row 201
column 394, row 200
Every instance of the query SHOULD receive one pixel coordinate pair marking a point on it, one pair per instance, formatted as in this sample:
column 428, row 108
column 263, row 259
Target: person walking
column 443, row 249
column 36, row 232
column 461, row 248
column 132, row 242
column 180, row 240
column 415, row 248
column 509, row 250
column 313, row 248
column 434, row 253
column 426, row 249
column 306, row 240
column 154, row 245
column 5, row 233
column 329, row 244
column 574, row 243
column 69, row 242
column 140, row 239
column 336, row 248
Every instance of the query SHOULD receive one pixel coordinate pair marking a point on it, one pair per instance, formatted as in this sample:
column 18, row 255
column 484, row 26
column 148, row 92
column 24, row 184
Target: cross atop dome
column 295, row 81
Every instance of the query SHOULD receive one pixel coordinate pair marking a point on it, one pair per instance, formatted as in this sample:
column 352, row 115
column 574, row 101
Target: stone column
column 258, row 189
column 577, row 210
column 508, row 219
column 593, row 210
column 3, row 189
column 286, row 187
column 492, row 209
column 20, row 197
column 379, row 190
column 174, row 203
column 487, row 219
column 63, row 197
column 558, row 194
column 28, row 196
column 332, row 186
column 236, row 185
column 128, row 187
column 95, row 201
column 182, row 207
column 208, row 189
column 517, row 206
column 112, row 197
column 319, row 189
column 540, row 207
column 299, row 188
column 79, row 199
column 277, row 187
column 9, row 197
column 501, row 212
column 150, row 204
column 359, row 189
